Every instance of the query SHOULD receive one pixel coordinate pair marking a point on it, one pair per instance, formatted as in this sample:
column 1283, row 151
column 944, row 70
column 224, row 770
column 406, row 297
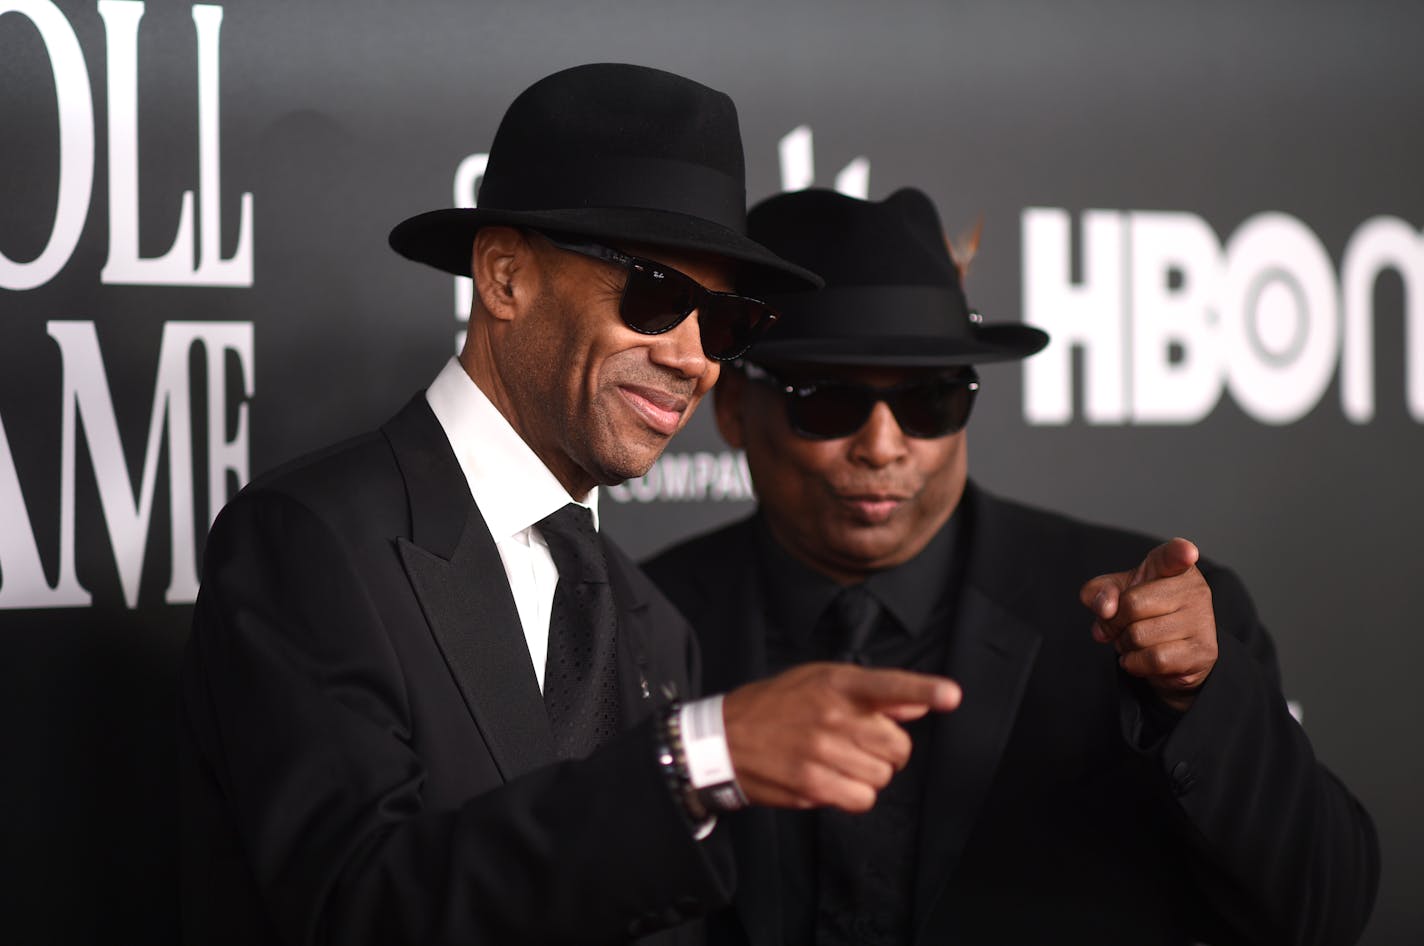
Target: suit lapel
column 991, row 654
column 459, row 580
column 730, row 606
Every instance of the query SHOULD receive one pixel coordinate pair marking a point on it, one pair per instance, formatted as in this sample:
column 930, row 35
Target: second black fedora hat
column 893, row 294
column 616, row 152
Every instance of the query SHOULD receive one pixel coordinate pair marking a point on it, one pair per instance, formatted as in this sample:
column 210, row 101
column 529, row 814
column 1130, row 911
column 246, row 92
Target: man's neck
column 478, row 362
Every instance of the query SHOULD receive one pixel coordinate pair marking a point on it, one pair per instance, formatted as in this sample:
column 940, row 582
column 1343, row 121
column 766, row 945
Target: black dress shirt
column 912, row 633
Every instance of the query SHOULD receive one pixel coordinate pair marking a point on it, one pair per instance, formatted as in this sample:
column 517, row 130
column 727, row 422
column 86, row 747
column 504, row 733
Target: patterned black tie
column 581, row 691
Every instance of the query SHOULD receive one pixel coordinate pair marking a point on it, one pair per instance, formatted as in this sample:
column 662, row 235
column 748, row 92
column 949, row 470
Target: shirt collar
column 801, row 593
column 911, row 591
column 510, row 484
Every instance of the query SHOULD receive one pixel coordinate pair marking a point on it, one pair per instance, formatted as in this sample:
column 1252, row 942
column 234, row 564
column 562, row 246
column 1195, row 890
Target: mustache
column 659, row 379
column 889, row 489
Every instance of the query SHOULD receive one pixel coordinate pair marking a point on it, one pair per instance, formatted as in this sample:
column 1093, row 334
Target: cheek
column 789, row 471
column 602, row 357
column 943, row 466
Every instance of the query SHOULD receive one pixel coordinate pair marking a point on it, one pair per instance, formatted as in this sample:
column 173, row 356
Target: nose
column 681, row 348
column 879, row 442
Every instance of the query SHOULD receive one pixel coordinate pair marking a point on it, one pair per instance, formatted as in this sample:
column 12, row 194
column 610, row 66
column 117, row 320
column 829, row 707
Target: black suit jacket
column 1047, row 818
column 365, row 754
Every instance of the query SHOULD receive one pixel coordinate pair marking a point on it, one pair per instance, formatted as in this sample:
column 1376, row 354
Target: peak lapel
column 991, row 655
column 459, row 580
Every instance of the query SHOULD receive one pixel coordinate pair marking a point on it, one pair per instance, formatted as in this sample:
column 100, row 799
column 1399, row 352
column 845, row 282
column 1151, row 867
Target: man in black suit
column 424, row 701
column 1123, row 768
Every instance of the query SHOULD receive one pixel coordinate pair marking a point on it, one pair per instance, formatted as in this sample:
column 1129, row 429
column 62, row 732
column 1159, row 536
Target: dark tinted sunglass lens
column 933, row 409
column 730, row 324
column 831, row 410
column 654, row 300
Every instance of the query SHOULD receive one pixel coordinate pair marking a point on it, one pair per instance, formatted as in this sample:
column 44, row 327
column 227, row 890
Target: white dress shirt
column 514, row 490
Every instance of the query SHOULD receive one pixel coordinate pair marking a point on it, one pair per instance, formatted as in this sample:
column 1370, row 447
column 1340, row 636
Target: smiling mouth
column 659, row 410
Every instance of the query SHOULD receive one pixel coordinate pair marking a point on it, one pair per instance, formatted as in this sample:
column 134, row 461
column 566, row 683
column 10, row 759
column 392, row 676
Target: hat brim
column 990, row 344
column 444, row 238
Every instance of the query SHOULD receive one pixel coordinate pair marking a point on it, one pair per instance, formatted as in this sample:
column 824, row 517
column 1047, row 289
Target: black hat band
column 874, row 312
column 597, row 181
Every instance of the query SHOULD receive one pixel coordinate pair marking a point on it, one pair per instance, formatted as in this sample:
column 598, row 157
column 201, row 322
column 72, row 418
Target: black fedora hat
column 617, row 152
column 892, row 296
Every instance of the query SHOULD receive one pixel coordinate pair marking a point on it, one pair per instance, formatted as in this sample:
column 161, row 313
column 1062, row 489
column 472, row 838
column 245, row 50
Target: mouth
column 872, row 508
column 659, row 409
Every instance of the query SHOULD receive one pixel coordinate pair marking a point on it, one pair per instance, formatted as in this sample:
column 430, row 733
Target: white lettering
column 798, row 167
column 76, row 145
column 854, row 179
column 1089, row 316
column 22, row 579
column 676, row 469
column 176, row 267
column 86, row 400
column 225, row 454
column 1170, row 320
column 1260, row 317
column 213, row 270
column 467, row 188
column 690, row 477
column 1280, row 324
column 796, row 155
column 124, row 265
column 1380, row 243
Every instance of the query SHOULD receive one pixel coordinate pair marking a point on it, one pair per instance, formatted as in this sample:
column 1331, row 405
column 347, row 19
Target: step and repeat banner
column 1215, row 210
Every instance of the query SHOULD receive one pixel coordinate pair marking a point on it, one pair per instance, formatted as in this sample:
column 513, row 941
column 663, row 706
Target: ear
column 727, row 404
column 503, row 265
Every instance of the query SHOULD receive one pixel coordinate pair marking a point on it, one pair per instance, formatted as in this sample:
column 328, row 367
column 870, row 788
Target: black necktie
column 581, row 676
column 847, row 624
column 862, row 889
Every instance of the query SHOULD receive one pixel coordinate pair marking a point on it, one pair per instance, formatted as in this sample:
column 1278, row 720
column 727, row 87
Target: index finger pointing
column 1167, row 560
column 881, row 689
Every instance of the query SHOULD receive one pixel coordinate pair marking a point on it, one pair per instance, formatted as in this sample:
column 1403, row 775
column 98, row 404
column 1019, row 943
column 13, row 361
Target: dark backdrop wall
column 1216, row 208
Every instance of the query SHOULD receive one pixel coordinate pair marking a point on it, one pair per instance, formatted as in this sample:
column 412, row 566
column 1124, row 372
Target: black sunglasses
column 656, row 298
column 825, row 410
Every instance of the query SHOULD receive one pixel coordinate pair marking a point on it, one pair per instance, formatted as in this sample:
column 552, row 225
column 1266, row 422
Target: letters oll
column 1166, row 317
column 86, row 399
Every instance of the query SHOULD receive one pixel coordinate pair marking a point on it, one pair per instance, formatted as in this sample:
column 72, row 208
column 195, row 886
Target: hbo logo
column 1167, row 318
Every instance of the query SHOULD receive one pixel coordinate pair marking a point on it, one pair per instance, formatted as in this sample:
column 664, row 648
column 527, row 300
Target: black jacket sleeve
column 1281, row 850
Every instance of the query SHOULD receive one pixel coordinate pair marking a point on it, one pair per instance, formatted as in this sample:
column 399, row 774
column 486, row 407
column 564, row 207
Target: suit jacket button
column 1182, row 778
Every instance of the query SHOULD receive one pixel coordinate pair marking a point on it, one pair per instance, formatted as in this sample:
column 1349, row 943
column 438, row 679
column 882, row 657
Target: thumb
column 1167, row 560
column 1100, row 595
